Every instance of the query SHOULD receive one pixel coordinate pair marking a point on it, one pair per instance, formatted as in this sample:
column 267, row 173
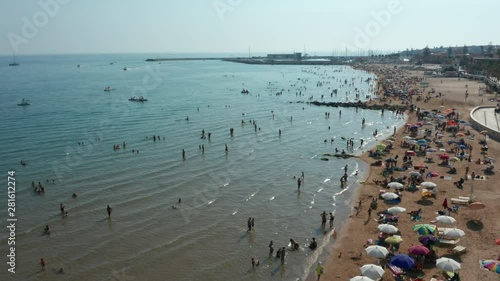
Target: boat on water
column 14, row 63
column 245, row 91
column 78, row 65
column 125, row 68
column 139, row 99
column 108, row 89
column 24, row 103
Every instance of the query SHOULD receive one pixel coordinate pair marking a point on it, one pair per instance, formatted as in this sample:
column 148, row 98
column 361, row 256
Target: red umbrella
column 497, row 241
column 434, row 174
column 445, row 203
column 418, row 250
column 476, row 206
column 444, row 156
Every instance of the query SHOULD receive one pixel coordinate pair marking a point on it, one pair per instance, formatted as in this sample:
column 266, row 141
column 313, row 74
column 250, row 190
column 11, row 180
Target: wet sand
column 480, row 237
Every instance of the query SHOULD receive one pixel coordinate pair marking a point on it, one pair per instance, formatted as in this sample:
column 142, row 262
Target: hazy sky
column 160, row 26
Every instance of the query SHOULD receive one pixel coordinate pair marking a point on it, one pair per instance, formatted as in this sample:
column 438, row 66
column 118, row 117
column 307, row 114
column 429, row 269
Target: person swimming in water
column 313, row 245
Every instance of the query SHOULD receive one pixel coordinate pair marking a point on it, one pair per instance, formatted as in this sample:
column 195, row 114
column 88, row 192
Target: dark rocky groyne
column 359, row 104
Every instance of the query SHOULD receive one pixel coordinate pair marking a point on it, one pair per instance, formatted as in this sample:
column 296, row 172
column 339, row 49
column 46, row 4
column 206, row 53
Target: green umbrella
column 393, row 240
column 424, row 229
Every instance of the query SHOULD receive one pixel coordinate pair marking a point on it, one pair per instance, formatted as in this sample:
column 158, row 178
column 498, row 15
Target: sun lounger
column 460, row 201
column 394, row 269
column 467, row 198
column 459, row 249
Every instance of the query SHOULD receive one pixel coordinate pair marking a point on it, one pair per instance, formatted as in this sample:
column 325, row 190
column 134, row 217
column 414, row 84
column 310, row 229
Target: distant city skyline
column 241, row 26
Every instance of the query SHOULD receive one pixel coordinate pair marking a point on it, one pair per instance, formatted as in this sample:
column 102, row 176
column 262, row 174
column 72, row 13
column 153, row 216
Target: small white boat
column 107, row 89
column 24, row 103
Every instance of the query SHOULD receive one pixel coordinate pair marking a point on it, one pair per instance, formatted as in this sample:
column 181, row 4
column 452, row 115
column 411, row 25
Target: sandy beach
column 348, row 252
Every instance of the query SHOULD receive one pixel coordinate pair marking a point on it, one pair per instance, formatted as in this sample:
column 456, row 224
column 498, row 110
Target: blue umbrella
column 462, row 146
column 403, row 261
column 440, row 116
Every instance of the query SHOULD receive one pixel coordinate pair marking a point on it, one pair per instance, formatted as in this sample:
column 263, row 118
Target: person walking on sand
column 319, row 270
column 109, row 209
column 42, row 263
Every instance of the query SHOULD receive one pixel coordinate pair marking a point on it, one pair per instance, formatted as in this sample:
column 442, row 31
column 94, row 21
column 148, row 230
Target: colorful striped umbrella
column 491, row 265
column 424, row 229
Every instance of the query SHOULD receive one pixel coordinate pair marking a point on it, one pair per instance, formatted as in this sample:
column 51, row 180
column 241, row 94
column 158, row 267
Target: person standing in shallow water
column 271, row 248
column 109, row 210
column 323, row 219
column 249, row 224
column 282, row 255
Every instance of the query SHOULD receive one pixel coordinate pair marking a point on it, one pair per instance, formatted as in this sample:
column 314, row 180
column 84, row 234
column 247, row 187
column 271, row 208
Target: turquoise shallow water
column 206, row 238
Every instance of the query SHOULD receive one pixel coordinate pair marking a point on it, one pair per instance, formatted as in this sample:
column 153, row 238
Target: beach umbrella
column 447, row 264
column 396, row 210
column 410, row 152
column 361, row 278
column 412, row 141
column 445, row 203
column 407, row 137
column 395, row 185
column 484, row 133
column 430, row 150
column 390, row 196
column 454, row 159
column 446, row 219
column 393, row 240
column 403, row 261
column 422, row 142
column 428, row 239
column 415, row 174
column 422, row 166
column 381, row 146
column 440, row 116
column 418, row 250
column 428, row 184
column 372, row 271
column 376, row 251
column 491, row 265
column 497, row 241
column 454, row 232
column 424, row 229
column 434, row 174
column 387, row 228
column 462, row 146
column 444, row 156
column 460, row 135
column 477, row 206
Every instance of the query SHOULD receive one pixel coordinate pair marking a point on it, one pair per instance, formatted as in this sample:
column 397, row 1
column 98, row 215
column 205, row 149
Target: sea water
column 67, row 135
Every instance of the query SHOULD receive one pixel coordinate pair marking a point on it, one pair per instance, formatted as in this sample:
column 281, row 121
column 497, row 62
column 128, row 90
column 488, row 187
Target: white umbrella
column 446, row 219
column 454, row 232
column 428, row 184
column 395, row 185
column 396, row 210
column 387, row 228
column 390, row 196
column 415, row 173
column 376, row 251
column 447, row 264
column 373, row 271
column 360, row 278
